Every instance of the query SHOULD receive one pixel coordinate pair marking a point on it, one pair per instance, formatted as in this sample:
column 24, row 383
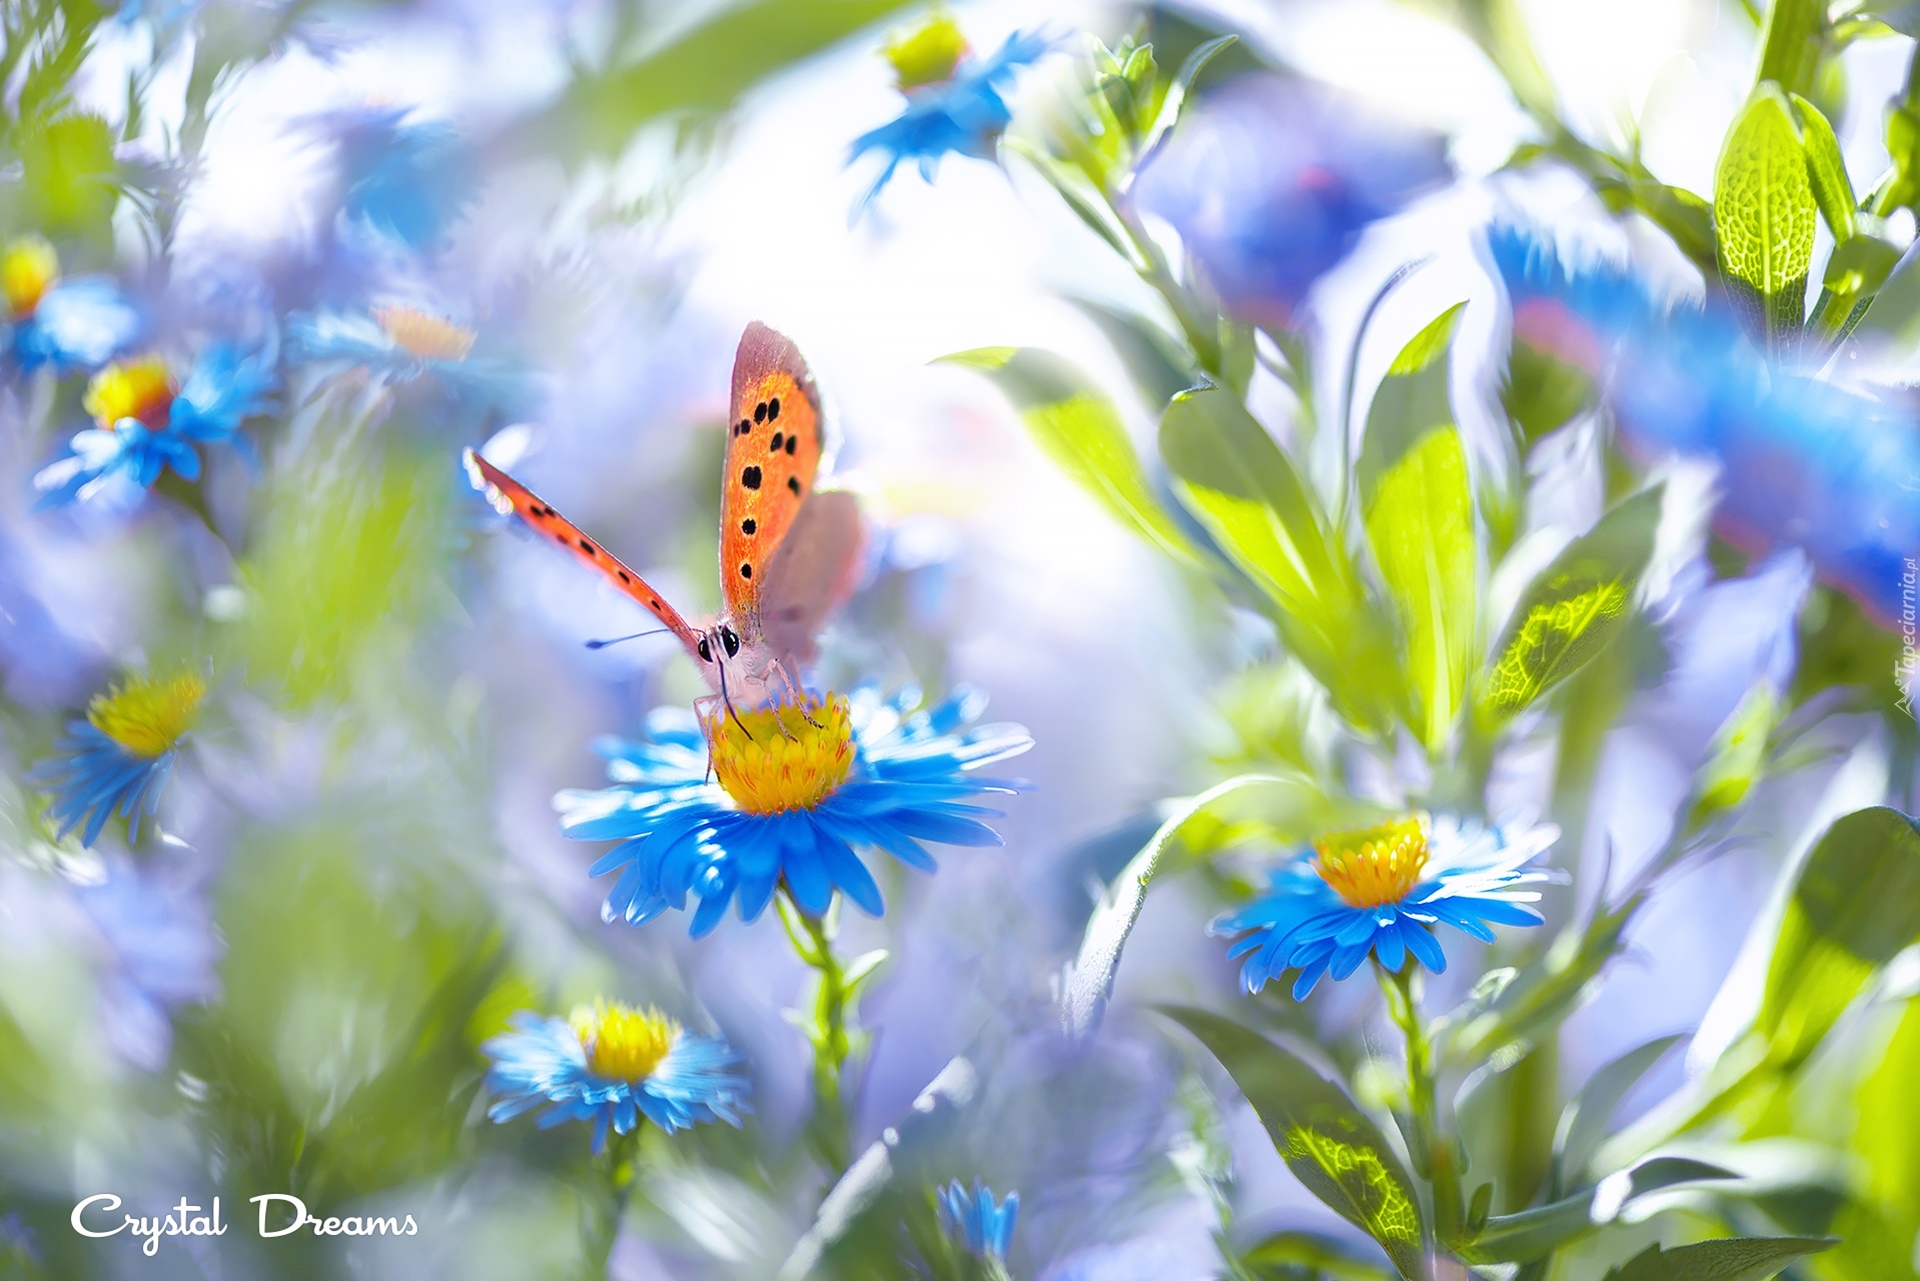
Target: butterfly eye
column 728, row 639
column 706, row 650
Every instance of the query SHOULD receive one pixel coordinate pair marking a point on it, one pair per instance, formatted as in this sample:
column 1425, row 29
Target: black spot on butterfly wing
column 791, row 442
column 760, row 412
column 773, row 409
column 773, row 446
column 750, row 477
column 793, row 483
column 749, row 526
column 586, row 545
column 746, row 570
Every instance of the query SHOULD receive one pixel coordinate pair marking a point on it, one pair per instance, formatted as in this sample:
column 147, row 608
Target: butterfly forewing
column 773, row 450
column 510, row 497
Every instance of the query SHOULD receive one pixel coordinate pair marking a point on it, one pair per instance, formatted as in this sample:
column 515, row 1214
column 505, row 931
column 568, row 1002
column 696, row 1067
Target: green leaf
column 1082, row 432
column 700, row 69
column 1538, row 1232
column 1737, row 755
column 1157, row 362
column 1420, row 524
column 1542, row 391
column 1331, row 1146
column 1088, row 982
column 1764, row 209
column 1827, row 171
column 1286, row 1255
column 1860, row 265
column 68, row 173
column 1253, row 501
column 1412, row 401
column 1176, row 94
column 1855, row 905
column 1878, row 1228
column 1575, row 608
column 1584, row 1124
column 1725, row 1259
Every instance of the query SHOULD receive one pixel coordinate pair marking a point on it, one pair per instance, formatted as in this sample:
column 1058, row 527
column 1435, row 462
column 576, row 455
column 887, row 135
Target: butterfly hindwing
column 773, row 451
column 811, row 573
column 510, row 497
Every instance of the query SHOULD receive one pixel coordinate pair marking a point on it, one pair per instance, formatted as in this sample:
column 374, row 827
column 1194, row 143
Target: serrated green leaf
column 1764, row 211
column 1725, row 1259
column 1855, row 905
column 1419, row 522
column 1332, row 1147
column 1827, row 171
column 1081, row 431
column 1253, row 501
column 1575, row 608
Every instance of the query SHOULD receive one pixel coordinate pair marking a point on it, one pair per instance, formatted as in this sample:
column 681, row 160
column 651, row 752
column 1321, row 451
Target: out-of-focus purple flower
column 409, row 182
column 162, row 950
column 62, row 324
column 1804, row 463
column 961, row 112
column 148, row 422
column 1270, row 182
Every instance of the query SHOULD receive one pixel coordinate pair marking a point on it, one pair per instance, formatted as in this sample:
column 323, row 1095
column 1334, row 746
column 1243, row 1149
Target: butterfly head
column 738, row 662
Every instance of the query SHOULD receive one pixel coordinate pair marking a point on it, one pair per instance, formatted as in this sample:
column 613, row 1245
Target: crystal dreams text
column 186, row 1220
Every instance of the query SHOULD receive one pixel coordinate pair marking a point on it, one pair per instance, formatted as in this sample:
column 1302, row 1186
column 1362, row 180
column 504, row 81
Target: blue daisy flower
column 400, row 344
column 1803, row 462
column 61, row 324
column 118, row 759
column 148, row 423
column 985, row 1228
column 1380, row 891
column 953, row 108
column 406, row 181
column 1270, row 182
column 612, row 1064
column 790, row 800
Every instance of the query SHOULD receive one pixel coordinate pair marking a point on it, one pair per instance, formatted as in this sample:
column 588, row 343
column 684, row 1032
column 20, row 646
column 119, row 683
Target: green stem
column 615, row 1168
column 1433, row 1151
column 1791, row 54
column 829, row 1131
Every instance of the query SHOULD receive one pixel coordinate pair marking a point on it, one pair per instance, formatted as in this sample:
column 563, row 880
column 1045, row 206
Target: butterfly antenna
column 615, row 640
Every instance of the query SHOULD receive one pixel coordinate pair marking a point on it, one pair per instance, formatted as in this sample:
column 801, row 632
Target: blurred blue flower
column 1270, row 183
column 147, row 425
column 862, row 773
column 962, row 112
column 984, row 1227
column 64, row 324
column 1803, row 462
column 612, row 1064
column 1380, row 891
column 400, row 344
column 163, row 951
column 408, row 182
column 118, row 759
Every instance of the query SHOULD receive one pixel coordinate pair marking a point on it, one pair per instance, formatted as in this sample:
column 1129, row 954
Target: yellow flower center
column 26, row 269
column 139, row 389
column 428, row 337
column 1374, row 865
column 786, row 758
column 623, row 1043
column 147, row 717
column 928, row 56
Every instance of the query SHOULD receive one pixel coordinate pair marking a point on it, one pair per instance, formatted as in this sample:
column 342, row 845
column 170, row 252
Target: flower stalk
column 1432, row 1149
column 824, row 1023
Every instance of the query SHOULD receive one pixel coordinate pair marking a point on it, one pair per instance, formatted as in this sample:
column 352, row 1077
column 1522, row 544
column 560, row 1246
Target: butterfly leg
column 795, row 693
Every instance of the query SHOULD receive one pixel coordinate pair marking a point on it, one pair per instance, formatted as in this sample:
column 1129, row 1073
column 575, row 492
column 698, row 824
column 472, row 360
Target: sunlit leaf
column 1536, row 1233
column 1255, row 503
column 1333, row 1147
column 1855, row 906
column 1286, row 1255
column 1082, row 432
column 1575, row 608
column 1826, row 170
column 1725, row 1259
column 1764, row 211
column 1174, row 95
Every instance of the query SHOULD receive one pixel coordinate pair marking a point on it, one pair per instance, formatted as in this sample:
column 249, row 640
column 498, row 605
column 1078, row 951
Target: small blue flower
column 1380, row 891
column 63, row 324
column 787, row 805
column 1270, row 184
column 399, row 344
column 963, row 113
column 117, row 760
column 985, row 1228
column 407, row 182
column 612, row 1064
column 147, row 425
column 1803, row 462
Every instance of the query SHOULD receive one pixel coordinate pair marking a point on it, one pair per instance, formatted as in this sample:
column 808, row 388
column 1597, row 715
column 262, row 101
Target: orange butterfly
column 787, row 554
